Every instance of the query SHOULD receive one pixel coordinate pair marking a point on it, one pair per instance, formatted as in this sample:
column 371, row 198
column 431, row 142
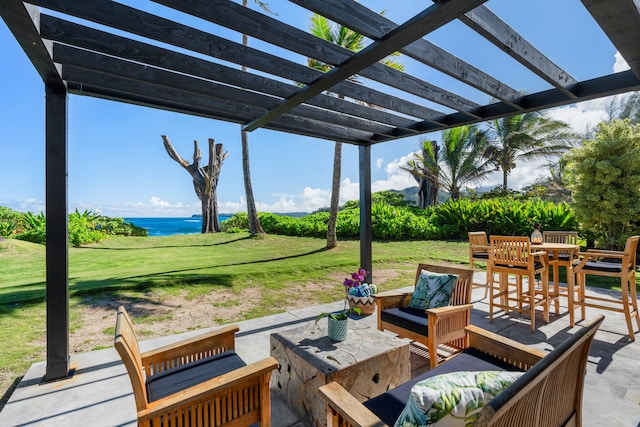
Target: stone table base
column 367, row 364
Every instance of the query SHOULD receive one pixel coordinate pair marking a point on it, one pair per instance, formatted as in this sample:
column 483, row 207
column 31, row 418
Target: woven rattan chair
column 620, row 264
column 200, row 381
column 513, row 255
column 435, row 326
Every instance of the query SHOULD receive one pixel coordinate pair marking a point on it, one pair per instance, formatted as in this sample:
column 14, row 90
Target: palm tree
column 526, row 137
column 255, row 227
column 461, row 160
column 342, row 36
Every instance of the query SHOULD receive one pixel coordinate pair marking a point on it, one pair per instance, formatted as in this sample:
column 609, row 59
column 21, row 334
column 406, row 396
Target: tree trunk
column 205, row 179
column 255, row 227
column 423, row 192
column 332, row 236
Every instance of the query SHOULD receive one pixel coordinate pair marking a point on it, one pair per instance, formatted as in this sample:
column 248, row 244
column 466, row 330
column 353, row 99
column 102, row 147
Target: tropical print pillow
column 453, row 399
column 433, row 290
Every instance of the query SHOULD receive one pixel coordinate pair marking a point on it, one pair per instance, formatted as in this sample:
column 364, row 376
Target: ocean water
column 170, row 226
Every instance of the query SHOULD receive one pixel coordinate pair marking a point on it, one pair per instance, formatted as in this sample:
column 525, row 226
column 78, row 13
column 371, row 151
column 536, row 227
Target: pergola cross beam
column 428, row 20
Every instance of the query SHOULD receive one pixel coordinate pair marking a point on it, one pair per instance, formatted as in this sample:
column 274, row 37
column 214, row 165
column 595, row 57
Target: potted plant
column 359, row 294
column 337, row 323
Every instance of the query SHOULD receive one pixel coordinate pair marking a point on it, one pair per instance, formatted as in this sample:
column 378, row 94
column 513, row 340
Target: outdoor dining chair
column 513, row 255
column 562, row 259
column 479, row 252
column 620, row 264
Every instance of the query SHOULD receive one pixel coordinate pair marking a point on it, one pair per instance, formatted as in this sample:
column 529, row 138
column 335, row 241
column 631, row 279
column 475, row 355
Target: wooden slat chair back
column 569, row 237
column 198, row 381
column 126, row 343
column 565, row 259
column 479, row 252
column 548, row 394
column 605, row 263
column 514, row 255
column 442, row 325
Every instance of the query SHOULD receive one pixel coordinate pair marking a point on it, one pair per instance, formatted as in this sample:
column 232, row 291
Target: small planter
column 367, row 305
column 337, row 329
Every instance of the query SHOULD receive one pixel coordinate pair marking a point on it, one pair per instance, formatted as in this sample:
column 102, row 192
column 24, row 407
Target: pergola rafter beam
column 428, row 20
column 95, row 40
column 222, row 108
column 255, row 24
column 620, row 20
column 491, row 27
column 128, row 19
column 23, row 21
column 359, row 18
column 77, row 59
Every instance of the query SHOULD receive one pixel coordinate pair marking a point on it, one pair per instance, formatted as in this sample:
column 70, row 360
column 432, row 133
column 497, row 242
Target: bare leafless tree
column 205, row 179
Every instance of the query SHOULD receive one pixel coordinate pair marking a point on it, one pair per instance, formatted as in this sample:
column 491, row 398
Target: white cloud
column 620, row 64
column 28, row 205
column 379, row 163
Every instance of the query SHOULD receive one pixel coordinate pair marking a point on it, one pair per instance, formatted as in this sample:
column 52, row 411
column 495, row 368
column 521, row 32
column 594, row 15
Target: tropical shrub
column 86, row 227
column 604, row 178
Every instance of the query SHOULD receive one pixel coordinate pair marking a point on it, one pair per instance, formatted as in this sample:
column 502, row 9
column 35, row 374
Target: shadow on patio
column 99, row 394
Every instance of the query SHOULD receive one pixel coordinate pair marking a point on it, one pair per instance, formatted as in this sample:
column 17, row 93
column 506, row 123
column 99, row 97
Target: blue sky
column 118, row 165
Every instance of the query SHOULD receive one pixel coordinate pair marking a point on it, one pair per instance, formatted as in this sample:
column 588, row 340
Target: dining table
column 561, row 255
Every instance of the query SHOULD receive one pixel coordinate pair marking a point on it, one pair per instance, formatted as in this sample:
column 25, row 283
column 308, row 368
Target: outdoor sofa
column 548, row 394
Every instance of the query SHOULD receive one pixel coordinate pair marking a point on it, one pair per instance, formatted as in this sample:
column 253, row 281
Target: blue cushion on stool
column 182, row 377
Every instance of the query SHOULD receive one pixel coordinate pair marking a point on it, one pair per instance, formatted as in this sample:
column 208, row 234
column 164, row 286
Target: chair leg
column 532, row 301
column 545, row 295
column 433, row 356
column 634, row 298
column 626, row 281
column 571, row 293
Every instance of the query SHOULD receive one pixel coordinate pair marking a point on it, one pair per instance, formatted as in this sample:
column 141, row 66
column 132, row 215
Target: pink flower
column 356, row 279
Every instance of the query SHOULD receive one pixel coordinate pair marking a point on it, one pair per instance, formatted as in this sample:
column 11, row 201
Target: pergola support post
column 57, row 251
column 366, row 233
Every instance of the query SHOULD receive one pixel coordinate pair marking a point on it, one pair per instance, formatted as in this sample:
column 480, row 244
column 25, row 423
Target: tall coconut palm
column 459, row 162
column 342, row 36
column 255, row 227
column 527, row 137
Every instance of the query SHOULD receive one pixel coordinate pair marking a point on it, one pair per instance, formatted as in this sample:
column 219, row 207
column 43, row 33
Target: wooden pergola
column 105, row 49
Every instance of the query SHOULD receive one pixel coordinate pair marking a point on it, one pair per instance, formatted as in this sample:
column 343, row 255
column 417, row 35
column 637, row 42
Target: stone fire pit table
column 368, row 363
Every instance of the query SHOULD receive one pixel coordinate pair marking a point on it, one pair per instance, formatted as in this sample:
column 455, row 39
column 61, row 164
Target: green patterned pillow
column 433, row 290
column 453, row 399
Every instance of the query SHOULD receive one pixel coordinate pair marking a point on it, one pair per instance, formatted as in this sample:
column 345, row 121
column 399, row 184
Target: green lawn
column 152, row 268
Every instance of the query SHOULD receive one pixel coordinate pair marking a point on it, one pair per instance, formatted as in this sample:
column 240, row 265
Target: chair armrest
column 483, row 247
column 591, row 253
column 342, row 404
column 195, row 348
column 448, row 310
column 391, row 299
column 256, row 373
column 510, row 351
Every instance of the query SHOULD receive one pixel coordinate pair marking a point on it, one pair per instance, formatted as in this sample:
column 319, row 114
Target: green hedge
column 450, row 220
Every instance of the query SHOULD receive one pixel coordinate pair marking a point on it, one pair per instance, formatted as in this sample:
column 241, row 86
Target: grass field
column 187, row 270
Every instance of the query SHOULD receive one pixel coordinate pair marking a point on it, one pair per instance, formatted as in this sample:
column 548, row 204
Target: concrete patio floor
column 99, row 394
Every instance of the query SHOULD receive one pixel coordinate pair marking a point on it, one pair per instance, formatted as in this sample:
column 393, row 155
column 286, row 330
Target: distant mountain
column 411, row 195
